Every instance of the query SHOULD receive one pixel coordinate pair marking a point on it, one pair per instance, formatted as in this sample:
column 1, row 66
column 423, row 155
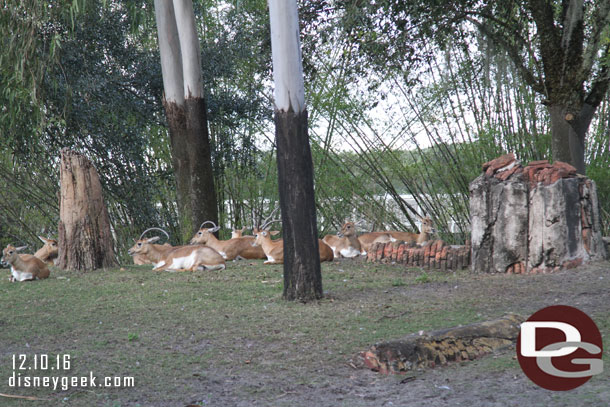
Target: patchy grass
column 227, row 338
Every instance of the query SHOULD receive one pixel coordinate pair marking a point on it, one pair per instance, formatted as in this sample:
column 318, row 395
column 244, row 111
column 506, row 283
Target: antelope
column 419, row 238
column 48, row 252
column 231, row 249
column 141, row 259
column 235, row 233
column 368, row 239
column 24, row 267
column 345, row 243
column 178, row 258
column 274, row 249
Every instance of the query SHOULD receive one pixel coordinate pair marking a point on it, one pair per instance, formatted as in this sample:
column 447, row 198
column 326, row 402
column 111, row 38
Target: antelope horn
column 268, row 220
column 207, row 221
column 143, row 233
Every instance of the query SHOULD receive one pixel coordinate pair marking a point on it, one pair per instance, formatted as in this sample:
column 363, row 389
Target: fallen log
column 431, row 349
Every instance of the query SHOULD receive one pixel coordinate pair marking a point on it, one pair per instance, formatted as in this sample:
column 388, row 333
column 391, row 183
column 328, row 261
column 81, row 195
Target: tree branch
column 599, row 22
column 513, row 53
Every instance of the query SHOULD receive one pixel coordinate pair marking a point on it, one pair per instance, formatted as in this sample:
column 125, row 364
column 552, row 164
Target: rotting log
column 85, row 238
column 431, row 349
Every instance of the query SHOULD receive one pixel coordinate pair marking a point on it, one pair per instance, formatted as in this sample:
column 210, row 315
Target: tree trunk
column 568, row 140
column 302, row 275
column 85, row 239
column 186, row 114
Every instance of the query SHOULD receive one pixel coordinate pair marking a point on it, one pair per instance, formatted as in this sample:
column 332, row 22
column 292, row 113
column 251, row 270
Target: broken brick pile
column 542, row 171
column 434, row 254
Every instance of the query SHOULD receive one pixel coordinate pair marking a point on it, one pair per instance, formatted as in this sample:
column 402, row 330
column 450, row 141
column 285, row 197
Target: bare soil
column 228, row 339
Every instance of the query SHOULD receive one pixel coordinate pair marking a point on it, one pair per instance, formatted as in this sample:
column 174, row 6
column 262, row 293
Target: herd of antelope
column 207, row 252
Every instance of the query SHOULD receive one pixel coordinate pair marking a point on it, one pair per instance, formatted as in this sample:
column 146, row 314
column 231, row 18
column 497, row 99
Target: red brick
column 401, row 253
column 538, row 163
column 565, row 166
column 387, row 250
column 492, row 166
column 444, row 252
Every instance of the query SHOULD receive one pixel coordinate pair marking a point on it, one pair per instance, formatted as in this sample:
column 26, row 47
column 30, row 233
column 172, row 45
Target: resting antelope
column 178, row 258
column 48, row 252
column 24, row 267
column 345, row 243
column 235, row 233
column 419, row 238
column 231, row 249
column 141, row 259
column 368, row 239
column 274, row 249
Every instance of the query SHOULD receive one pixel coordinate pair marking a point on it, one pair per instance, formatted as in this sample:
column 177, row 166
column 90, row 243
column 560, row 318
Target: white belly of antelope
column 183, row 262
column 350, row 252
column 21, row 276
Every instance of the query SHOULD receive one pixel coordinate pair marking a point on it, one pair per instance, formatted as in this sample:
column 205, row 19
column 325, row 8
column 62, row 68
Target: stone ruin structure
column 538, row 218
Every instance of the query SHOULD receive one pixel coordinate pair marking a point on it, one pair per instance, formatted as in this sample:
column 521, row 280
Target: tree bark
column 568, row 141
column 302, row 274
column 186, row 114
column 85, row 238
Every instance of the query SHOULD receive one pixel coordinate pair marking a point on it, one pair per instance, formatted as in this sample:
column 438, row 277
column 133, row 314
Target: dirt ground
column 227, row 339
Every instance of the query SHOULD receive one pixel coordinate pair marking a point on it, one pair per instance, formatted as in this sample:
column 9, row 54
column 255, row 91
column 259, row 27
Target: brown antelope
column 141, row 259
column 191, row 258
column 419, row 238
column 231, row 249
column 235, row 233
column 368, row 239
column 24, row 267
column 48, row 252
column 274, row 249
column 345, row 243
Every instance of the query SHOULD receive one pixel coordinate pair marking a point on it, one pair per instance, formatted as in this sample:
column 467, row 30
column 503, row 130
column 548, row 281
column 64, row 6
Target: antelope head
column 348, row 229
column 10, row 253
column 204, row 234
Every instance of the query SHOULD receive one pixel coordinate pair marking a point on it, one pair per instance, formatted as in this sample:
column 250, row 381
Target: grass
column 181, row 335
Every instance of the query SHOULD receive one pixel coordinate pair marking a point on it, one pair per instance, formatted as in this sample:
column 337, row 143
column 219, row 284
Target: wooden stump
column 85, row 240
column 430, row 349
column 538, row 218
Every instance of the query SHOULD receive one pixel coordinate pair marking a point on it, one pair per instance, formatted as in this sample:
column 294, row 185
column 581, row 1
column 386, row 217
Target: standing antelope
column 178, row 258
column 140, row 258
column 240, row 247
column 345, row 243
column 24, row 267
column 48, row 252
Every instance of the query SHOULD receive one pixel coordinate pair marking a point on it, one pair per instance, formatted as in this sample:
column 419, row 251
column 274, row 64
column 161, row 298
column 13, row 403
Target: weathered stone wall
column 537, row 218
column 434, row 254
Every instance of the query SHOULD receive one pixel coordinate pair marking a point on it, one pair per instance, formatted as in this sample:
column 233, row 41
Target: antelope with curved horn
column 240, row 247
column 178, row 258
column 274, row 249
column 48, row 252
column 141, row 259
column 235, row 233
column 24, row 267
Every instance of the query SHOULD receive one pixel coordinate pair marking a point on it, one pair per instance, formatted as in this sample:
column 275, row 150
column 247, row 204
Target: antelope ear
column 43, row 239
column 20, row 248
column 216, row 229
column 274, row 232
column 153, row 239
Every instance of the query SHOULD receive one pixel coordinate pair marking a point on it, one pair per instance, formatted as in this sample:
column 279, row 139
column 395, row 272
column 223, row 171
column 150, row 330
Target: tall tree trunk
column 186, row 114
column 302, row 275
column 85, row 239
